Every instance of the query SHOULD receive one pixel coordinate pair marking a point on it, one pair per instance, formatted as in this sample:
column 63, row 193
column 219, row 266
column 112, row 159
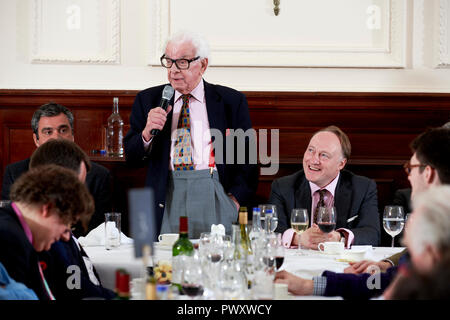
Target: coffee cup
column 331, row 247
column 168, row 239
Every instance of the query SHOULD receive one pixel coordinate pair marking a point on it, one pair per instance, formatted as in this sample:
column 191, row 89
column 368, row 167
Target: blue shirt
column 12, row 290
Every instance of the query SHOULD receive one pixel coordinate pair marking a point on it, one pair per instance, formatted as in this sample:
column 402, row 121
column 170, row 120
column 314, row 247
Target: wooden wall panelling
column 380, row 127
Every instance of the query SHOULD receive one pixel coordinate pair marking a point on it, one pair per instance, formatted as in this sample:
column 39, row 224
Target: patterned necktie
column 321, row 203
column 182, row 158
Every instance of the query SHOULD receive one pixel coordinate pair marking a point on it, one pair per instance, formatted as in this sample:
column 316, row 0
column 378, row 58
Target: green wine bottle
column 182, row 247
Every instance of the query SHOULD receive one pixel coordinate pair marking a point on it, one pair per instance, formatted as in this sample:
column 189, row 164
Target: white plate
column 354, row 255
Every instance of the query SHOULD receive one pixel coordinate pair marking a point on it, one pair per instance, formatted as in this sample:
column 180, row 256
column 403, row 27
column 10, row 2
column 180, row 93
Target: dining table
column 304, row 263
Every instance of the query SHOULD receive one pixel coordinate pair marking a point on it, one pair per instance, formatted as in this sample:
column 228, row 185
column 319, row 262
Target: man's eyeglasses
column 181, row 64
column 408, row 167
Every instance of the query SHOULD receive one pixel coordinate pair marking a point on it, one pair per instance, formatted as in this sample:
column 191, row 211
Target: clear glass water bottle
column 114, row 134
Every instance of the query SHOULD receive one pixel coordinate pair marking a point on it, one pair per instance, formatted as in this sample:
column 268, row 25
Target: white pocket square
column 352, row 218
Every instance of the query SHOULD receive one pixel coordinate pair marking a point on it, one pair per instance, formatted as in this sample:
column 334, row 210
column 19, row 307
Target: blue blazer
column 355, row 201
column 227, row 109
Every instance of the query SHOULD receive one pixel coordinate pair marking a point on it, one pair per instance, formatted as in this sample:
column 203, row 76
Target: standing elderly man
column 54, row 121
column 186, row 173
column 324, row 181
column 41, row 212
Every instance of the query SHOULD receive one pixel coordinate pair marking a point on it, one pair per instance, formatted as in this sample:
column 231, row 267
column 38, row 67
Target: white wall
column 306, row 47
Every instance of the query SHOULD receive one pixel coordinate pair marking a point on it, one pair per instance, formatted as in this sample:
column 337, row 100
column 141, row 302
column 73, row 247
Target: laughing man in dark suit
column 355, row 197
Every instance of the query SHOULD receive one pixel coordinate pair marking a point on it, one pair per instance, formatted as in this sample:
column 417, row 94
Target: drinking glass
column 299, row 222
column 232, row 283
column 112, row 230
column 393, row 221
column 326, row 219
column 269, row 217
column 192, row 277
column 273, row 255
column 204, row 245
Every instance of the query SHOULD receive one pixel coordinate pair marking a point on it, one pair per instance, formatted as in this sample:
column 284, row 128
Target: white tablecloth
column 307, row 264
column 106, row 262
column 310, row 263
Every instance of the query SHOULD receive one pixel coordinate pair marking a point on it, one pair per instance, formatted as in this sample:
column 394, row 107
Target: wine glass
column 192, row 277
column 299, row 222
column 203, row 245
column 273, row 256
column 393, row 221
column 326, row 219
column 269, row 217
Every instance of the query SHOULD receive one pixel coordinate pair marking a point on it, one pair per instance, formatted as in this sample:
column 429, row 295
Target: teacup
column 168, row 239
column 331, row 247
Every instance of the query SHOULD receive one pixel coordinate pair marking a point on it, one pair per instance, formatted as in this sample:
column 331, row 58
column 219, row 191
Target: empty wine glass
column 299, row 222
column 268, row 217
column 393, row 221
column 326, row 219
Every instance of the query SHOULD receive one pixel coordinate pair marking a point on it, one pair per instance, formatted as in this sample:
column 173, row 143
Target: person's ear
column 342, row 163
column 45, row 210
column 430, row 175
column 434, row 253
column 204, row 63
column 36, row 140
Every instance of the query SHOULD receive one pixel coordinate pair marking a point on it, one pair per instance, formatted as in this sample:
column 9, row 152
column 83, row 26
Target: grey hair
column 199, row 42
column 432, row 220
column 49, row 110
column 446, row 125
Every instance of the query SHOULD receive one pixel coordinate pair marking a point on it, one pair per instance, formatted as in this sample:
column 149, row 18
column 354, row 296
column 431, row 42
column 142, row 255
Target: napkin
column 218, row 229
column 97, row 237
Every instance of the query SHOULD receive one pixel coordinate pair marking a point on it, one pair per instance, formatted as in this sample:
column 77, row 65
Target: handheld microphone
column 166, row 96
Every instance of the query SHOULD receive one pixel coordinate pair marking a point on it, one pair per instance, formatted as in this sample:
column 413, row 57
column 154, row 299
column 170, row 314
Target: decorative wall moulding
column 364, row 33
column 442, row 34
column 76, row 31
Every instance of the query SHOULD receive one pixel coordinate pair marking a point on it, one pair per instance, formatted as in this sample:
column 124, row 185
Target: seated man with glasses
column 428, row 166
column 186, row 163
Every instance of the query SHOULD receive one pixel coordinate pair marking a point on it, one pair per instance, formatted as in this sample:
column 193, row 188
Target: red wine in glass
column 326, row 219
column 279, row 262
column 192, row 290
column 326, row 227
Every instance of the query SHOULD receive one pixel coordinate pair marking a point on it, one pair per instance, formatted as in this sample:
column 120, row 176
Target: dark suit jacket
column 17, row 253
column 58, row 259
column 354, row 196
column 402, row 197
column 98, row 181
column 354, row 286
column 227, row 109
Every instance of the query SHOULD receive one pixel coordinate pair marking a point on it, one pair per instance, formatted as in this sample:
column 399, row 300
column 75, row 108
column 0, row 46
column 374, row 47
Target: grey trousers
column 199, row 196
